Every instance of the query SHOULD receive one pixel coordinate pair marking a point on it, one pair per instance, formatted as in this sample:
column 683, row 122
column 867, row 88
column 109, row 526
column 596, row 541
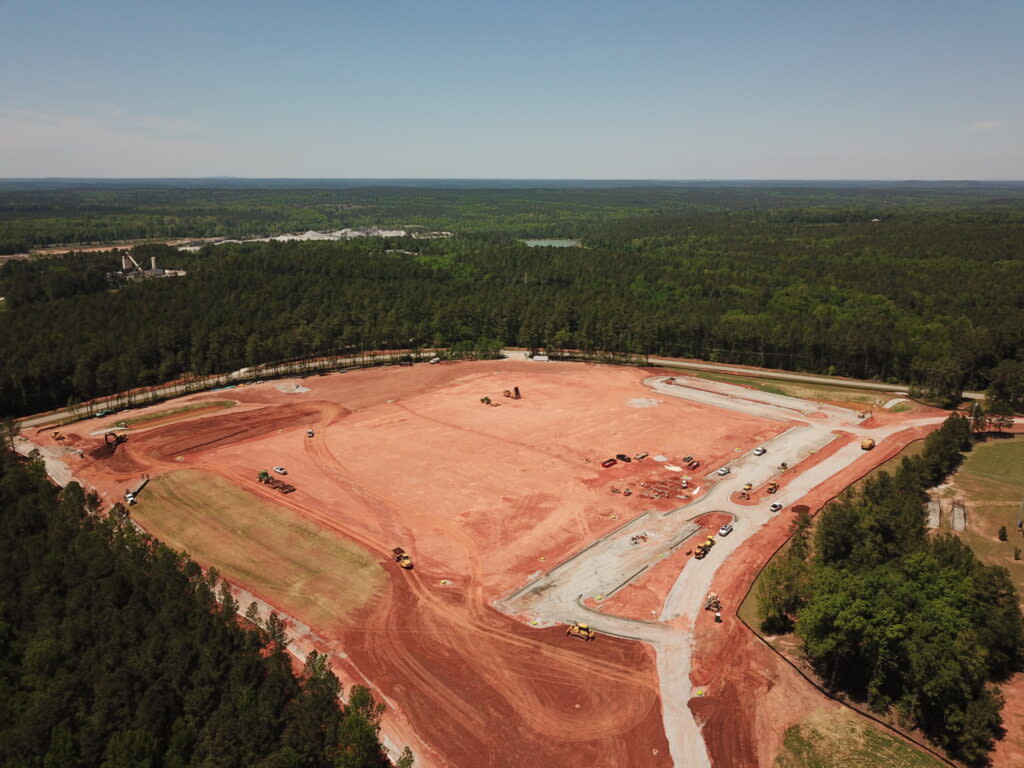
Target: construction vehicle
column 773, row 487
column 867, row 444
column 113, row 439
column 485, row 400
column 278, row 485
column 58, row 436
column 309, row 433
column 748, row 487
column 401, row 557
column 514, row 395
column 581, row 630
column 703, row 549
column 712, row 603
column 784, row 466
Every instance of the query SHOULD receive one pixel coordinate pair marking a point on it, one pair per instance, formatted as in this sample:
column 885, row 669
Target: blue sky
column 660, row 90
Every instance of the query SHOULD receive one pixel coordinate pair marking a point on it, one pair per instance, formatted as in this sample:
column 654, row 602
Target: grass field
column 839, row 739
column 819, row 392
column 991, row 483
column 308, row 572
column 207, row 405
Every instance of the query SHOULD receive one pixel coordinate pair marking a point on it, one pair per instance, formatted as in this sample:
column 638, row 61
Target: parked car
column 103, row 413
column 725, row 530
column 281, row 470
column 693, row 464
column 623, row 457
column 724, row 471
column 760, row 451
column 775, row 507
column 609, row 463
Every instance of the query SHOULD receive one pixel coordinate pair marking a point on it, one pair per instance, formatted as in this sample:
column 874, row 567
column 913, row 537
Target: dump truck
column 867, row 444
column 581, row 630
column 401, row 557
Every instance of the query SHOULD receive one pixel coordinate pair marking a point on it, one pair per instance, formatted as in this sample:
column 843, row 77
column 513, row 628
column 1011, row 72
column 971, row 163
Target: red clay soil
column 1009, row 753
column 483, row 497
column 752, row 696
column 644, row 597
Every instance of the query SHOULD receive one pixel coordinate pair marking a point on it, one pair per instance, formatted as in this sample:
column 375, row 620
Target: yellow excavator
column 581, row 630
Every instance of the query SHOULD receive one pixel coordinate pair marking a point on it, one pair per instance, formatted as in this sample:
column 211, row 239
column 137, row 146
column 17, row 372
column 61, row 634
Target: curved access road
column 556, row 597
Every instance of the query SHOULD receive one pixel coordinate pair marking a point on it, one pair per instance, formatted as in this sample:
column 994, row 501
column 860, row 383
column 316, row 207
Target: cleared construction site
column 512, row 510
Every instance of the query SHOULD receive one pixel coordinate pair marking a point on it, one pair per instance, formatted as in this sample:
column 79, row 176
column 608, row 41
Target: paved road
column 557, row 596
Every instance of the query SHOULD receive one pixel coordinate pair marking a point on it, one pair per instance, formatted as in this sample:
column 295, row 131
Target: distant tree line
column 913, row 625
column 916, row 299
column 115, row 652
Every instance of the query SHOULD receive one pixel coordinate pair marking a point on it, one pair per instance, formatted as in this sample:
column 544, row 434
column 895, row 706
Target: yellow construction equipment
column 581, row 630
column 703, row 549
column 748, row 486
column 773, row 487
column 58, row 436
column 402, row 558
column 867, row 444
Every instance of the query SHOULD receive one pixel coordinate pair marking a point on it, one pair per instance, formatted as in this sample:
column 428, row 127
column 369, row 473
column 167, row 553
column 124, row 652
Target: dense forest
column 931, row 294
column 115, row 652
column 55, row 212
column 910, row 624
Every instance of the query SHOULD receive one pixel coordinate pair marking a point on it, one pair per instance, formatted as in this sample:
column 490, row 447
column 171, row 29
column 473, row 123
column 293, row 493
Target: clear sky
column 556, row 89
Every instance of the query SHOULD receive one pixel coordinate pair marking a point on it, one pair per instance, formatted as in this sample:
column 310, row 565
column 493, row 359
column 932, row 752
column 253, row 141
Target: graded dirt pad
column 480, row 496
column 485, row 690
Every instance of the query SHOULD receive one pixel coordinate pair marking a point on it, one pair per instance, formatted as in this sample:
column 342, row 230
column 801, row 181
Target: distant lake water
column 551, row 243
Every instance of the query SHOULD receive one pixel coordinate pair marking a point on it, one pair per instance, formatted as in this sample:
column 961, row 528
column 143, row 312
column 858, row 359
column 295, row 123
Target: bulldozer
column 401, row 557
column 773, row 487
column 581, row 630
